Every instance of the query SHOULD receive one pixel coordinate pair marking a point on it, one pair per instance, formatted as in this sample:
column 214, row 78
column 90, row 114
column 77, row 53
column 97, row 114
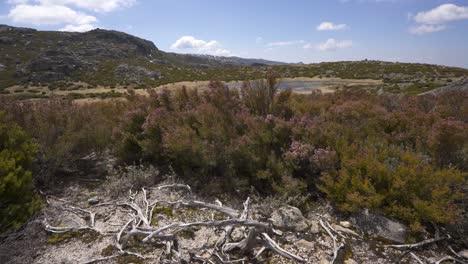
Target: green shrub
column 18, row 200
column 396, row 183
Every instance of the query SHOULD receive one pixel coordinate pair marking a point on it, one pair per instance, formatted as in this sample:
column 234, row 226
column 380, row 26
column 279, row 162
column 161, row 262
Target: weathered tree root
column 257, row 235
column 410, row 247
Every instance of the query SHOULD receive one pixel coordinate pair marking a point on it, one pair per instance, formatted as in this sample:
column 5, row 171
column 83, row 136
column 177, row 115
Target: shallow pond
column 307, row 85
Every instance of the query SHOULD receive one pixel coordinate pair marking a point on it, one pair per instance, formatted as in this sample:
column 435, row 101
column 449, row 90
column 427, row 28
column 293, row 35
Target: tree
column 18, row 200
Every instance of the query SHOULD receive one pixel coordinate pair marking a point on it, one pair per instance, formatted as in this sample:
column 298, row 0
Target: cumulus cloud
column 331, row 45
column 442, row 14
column 424, row 29
column 329, row 26
column 48, row 15
column 195, row 45
column 17, row 2
column 79, row 28
column 189, row 42
column 62, row 12
column 94, row 5
column 285, row 43
column 435, row 19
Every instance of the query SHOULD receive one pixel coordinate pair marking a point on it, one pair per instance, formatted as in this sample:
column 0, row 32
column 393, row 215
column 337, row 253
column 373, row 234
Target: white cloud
column 285, row 43
column 17, row 2
column 189, row 42
column 435, row 19
column 424, row 29
column 62, row 12
column 94, row 5
column 327, row 26
column 78, row 28
column 332, row 44
column 49, row 15
column 195, row 45
column 442, row 14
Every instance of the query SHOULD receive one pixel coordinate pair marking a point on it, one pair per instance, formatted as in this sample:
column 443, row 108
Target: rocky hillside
column 106, row 56
column 460, row 86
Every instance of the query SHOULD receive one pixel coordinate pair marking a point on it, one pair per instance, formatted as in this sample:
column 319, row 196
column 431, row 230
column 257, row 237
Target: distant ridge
column 241, row 61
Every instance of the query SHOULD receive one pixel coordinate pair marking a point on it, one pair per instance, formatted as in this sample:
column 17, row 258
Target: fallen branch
column 336, row 248
column 256, row 235
column 420, row 244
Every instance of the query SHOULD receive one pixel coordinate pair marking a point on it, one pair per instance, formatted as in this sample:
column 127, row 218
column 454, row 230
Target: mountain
column 106, row 56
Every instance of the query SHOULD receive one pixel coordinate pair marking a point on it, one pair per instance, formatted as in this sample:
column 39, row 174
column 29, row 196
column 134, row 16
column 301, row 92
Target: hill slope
column 107, row 56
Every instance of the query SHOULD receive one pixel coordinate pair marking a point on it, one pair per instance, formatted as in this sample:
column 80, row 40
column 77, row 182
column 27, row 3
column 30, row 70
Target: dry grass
column 329, row 85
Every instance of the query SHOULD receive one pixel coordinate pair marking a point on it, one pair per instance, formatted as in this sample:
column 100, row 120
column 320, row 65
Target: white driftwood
column 420, row 244
column 257, row 235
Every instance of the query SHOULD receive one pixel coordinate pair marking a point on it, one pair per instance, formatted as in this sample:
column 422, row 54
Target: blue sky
column 430, row 31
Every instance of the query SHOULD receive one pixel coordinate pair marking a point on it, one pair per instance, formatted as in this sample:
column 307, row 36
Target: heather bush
column 449, row 143
column 18, row 200
column 64, row 131
column 402, row 156
column 132, row 177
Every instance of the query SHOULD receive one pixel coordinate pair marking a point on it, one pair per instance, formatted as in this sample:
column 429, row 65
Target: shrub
column 18, row 200
column 402, row 156
column 397, row 183
column 65, row 131
column 133, row 177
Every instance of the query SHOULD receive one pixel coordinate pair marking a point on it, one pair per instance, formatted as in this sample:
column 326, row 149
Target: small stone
column 289, row 217
column 314, row 227
column 464, row 253
column 306, row 245
column 345, row 224
column 237, row 234
column 350, row 261
column 93, row 200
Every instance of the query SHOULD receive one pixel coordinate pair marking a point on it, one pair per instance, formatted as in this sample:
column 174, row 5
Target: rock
column 350, row 261
column 464, row 253
column 237, row 234
column 289, row 217
column 324, row 261
column 93, row 200
column 376, row 225
column 345, row 224
column 2, row 67
column 306, row 245
column 314, row 227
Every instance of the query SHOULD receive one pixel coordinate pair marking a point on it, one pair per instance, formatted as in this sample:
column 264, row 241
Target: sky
column 309, row 31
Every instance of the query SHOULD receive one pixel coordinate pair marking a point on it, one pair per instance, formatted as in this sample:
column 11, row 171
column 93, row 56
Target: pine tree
column 18, row 200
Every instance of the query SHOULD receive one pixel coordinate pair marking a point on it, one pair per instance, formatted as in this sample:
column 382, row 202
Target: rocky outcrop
column 458, row 86
column 135, row 74
column 123, row 41
column 380, row 226
column 52, row 65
